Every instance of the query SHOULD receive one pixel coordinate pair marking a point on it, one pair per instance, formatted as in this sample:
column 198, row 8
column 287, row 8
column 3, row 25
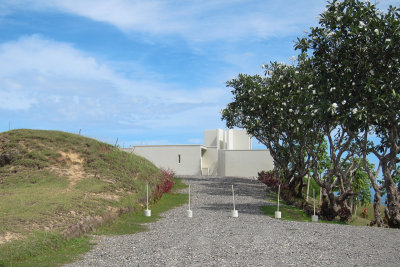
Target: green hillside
column 57, row 182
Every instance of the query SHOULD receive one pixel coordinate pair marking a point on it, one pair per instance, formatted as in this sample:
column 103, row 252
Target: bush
column 272, row 181
column 166, row 184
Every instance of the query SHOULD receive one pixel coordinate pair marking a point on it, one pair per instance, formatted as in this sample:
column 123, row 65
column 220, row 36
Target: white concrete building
column 224, row 153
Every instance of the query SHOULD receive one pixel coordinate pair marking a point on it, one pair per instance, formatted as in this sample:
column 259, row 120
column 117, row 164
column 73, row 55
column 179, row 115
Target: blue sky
column 145, row 72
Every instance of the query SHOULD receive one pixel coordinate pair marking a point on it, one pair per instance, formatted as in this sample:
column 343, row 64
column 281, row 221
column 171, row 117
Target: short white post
column 278, row 214
column 314, row 218
column 147, row 212
column 235, row 213
column 189, row 211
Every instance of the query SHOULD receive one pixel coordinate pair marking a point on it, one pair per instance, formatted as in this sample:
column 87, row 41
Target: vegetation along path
column 213, row 238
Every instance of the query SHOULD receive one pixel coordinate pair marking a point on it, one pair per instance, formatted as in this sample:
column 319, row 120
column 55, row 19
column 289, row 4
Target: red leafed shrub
column 168, row 180
column 270, row 179
column 165, row 185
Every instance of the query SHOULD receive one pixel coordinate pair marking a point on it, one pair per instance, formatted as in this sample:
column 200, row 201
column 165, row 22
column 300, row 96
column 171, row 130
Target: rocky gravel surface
column 213, row 238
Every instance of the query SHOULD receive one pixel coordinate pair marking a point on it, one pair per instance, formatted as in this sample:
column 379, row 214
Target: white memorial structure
column 224, row 153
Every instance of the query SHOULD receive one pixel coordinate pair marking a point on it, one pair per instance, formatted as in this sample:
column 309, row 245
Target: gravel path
column 213, row 238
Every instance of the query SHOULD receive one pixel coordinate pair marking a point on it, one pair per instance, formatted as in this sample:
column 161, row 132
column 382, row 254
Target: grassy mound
column 54, row 182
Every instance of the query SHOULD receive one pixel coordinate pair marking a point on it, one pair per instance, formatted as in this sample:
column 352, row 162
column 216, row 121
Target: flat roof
column 202, row 146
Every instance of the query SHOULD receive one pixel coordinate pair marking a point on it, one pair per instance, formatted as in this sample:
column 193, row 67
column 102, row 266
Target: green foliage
column 343, row 89
column 274, row 110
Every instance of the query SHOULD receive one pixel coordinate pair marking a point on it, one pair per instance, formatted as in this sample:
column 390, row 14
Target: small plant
column 166, row 184
column 364, row 213
column 270, row 179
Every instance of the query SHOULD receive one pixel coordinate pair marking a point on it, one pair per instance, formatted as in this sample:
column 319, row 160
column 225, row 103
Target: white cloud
column 199, row 20
column 15, row 101
column 56, row 82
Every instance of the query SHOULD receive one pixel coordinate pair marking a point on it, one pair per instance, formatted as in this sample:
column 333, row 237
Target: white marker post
column 235, row 213
column 314, row 218
column 278, row 214
column 189, row 211
column 147, row 212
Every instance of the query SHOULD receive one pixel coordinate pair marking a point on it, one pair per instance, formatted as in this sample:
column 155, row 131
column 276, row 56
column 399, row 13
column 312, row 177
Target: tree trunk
column 377, row 210
column 308, row 186
column 329, row 207
column 345, row 212
column 392, row 211
column 300, row 188
column 352, row 204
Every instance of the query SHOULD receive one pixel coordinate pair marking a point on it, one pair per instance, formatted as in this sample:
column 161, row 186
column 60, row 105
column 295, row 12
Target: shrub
column 272, row 181
column 165, row 185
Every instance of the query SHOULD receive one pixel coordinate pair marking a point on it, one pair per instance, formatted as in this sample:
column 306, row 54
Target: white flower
column 290, row 110
column 376, row 31
column 372, row 72
column 297, row 72
column 388, row 40
column 300, row 121
column 362, row 24
column 354, row 110
column 332, row 89
column 284, row 103
column 310, row 86
column 343, row 102
column 330, row 34
column 334, row 106
column 314, row 92
column 339, row 18
column 353, row 83
column 281, row 76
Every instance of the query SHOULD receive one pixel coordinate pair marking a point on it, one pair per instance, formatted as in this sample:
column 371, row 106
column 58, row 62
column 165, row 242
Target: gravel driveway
column 213, row 238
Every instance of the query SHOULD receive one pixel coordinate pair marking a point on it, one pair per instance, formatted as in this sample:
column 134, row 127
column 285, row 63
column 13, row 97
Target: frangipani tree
column 355, row 57
column 272, row 109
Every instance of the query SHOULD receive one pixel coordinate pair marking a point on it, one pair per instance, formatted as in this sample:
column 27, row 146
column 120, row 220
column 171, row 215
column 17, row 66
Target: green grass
column 39, row 195
column 43, row 249
column 290, row 213
column 131, row 223
column 36, row 188
column 51, row 249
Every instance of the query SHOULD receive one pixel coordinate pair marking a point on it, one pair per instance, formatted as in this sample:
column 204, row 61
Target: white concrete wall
column 239, row 139
column 244, row 163
column 210, row 160
column 210, row 138
column 168, row 157
column 220, row 139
